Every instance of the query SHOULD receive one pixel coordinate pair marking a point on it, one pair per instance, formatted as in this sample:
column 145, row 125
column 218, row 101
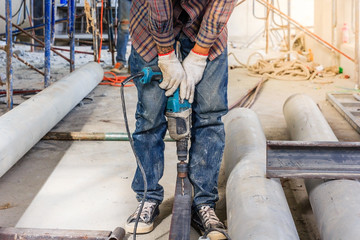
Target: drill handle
column 152, row 73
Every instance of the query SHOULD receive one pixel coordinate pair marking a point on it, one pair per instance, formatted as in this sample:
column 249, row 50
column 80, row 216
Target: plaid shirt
column 157, row 22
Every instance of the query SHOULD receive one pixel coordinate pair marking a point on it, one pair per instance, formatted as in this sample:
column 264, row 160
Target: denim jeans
column 122, row 30
column 207, row 133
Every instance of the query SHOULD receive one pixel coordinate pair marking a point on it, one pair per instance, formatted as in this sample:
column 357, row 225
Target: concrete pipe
column 256, row 206
column 336, row 204
column 22, row 127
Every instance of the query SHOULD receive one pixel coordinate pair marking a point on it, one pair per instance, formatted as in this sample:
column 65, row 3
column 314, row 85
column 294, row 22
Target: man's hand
column 173, row 72
column 194, row 65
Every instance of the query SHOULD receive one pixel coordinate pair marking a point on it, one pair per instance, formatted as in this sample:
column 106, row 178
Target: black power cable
column 132, row 146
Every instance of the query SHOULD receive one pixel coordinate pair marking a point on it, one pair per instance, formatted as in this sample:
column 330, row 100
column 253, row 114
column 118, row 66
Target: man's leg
column 122, row 34
column 149, row 146
column 207, row 141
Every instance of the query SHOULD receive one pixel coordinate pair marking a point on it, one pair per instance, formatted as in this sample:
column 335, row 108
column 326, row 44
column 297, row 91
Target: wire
column 115, row 81
column 132, row 146
column 17, row 12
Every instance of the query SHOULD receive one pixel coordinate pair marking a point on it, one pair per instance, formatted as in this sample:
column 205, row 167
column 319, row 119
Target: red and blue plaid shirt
column 156, row 22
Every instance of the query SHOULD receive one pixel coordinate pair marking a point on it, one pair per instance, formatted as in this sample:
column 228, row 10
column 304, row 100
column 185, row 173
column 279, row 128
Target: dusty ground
column 86, row 199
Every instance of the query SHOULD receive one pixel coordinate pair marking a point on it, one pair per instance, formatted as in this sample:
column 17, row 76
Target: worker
column 199, row 28
column 122, row 35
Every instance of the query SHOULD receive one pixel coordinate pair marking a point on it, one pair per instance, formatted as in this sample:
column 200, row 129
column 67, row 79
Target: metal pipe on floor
column 336, row 203
column 9, row 54
column 22, row 127
column 256, row 206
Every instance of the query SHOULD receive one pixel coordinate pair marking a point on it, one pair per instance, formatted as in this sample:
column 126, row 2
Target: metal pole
column 9, row 53
column 289, row 28
column 19, row 132
column 335, row 203
column 52, row 21
column 95, row 31
column 71, row 11
column 357, row 48
column 47, row 41
column 256, row 205
column 32, row 22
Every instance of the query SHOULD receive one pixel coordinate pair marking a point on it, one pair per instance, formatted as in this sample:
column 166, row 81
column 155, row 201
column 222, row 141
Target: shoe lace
column 117, row 65
column 146, row 212
column 209, row 217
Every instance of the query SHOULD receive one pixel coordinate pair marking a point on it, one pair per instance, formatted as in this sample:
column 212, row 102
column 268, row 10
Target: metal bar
column 289, row 29
column 36, row 39
column 357, row 39
column 28, row 64
column 95, row 30
column 58, row 234
column 52, row 21
column 324, row 160
column 304, row 29
column 47, row 41
column 31, row 15
column 181, row 212
column 9, row 53
column 71, row 15
column 91, row 136
column 347, row 109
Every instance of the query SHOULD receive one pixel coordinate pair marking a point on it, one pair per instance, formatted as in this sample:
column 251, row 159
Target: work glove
column 172, row 71
column 194, row 65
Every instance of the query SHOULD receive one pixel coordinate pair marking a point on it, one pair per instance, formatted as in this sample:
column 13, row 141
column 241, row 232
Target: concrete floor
column 86, row 185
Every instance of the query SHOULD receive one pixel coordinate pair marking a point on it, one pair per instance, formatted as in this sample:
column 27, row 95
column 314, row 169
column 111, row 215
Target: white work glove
column 194, row 65
column 173, row 73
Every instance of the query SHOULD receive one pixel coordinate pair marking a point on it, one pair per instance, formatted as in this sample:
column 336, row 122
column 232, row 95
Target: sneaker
column 205, row 219
column 118, row 67
column 146, row 221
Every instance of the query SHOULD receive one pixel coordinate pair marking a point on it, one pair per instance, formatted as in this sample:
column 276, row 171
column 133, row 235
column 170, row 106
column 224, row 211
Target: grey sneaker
column 205, row 220
column 118, row 67
column 146, row 221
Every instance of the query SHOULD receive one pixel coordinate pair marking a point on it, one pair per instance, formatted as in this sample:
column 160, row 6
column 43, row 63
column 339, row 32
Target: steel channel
column 9, row 53
column 47, row 41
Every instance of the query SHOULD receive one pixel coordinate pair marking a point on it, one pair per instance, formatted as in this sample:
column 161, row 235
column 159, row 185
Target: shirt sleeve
column 161, row 22
column 214, row 21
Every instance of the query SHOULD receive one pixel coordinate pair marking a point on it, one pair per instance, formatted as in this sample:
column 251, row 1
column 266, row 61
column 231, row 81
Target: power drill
column 178, row 113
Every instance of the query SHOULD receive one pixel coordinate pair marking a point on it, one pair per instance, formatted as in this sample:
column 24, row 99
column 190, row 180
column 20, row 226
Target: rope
column 89, row 18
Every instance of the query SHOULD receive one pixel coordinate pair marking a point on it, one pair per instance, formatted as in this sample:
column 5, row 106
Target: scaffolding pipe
column 71, row 15
column 256, row 206
column 22, row 127
column 47, row 41
column 336, row 204
column 9, row 53
column 52, row 21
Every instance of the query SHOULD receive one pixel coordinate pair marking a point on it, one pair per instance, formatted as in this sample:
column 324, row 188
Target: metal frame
column 49, row 37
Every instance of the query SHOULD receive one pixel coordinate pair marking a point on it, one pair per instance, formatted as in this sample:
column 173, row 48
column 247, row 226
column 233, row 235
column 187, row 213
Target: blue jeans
column 207, row 133
column 122, row 30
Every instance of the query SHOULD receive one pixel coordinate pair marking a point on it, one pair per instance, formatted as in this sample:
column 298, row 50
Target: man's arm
column 215, row 19
column 161, row 24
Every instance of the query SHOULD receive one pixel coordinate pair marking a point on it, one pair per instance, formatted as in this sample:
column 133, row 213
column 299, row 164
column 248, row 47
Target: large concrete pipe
column 336, row 204
column 256, row 206
column 22, row 127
